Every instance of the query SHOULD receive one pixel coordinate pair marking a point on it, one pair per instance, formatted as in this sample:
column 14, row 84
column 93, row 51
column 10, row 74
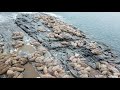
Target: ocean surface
column 100, row 26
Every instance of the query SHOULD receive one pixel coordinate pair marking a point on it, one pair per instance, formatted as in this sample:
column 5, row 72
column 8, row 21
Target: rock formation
column 59, row 50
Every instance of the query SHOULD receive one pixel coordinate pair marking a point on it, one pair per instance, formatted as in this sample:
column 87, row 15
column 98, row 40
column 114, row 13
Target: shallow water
column 101, row 26
column 29, row 49
column 30, row 71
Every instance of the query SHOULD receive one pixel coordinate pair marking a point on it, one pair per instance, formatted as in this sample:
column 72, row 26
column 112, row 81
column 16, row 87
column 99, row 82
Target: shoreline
column 100, row 42
column 87, row 30
column 71, row 53
column 89, row 36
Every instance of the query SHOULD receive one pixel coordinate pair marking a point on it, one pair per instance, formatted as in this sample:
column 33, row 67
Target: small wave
column 28, row 12
column 55, row 15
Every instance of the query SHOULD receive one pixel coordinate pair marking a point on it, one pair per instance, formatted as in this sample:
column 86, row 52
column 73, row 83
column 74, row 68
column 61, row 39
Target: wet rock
column 10, row 73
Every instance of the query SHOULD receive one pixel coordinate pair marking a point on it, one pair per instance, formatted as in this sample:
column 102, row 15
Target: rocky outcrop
column 59, row 50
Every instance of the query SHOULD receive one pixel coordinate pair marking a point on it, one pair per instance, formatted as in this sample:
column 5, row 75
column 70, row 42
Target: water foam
column 55, row 15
